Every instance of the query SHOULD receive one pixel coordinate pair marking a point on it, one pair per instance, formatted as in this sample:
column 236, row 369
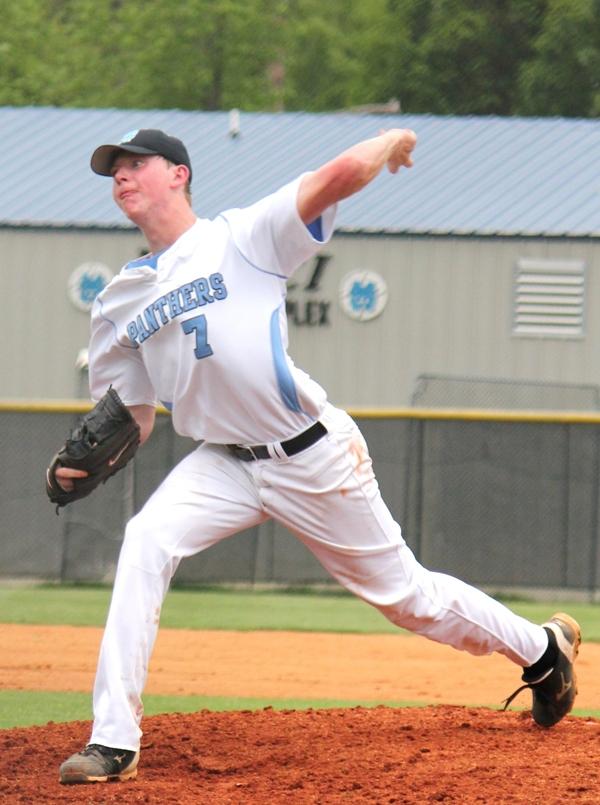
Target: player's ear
column 181, row 175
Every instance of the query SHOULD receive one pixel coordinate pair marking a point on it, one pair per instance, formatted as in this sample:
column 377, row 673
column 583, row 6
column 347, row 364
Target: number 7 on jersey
column 197, row 325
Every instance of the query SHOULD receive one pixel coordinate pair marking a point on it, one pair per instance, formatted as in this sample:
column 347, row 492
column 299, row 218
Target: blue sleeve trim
column 316, row 229
column 150, row 260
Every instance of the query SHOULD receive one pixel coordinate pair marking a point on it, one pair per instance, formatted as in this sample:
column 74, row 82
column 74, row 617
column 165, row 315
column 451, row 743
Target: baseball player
column 198, row 325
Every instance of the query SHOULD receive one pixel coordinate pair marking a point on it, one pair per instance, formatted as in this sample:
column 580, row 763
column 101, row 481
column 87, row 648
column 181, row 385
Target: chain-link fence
column 504, row 502
column 453, row 391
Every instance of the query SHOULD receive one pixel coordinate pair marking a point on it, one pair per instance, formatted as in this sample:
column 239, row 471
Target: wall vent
column 549, row 297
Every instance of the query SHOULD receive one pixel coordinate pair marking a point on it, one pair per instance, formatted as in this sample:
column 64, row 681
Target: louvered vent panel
column 549, row 298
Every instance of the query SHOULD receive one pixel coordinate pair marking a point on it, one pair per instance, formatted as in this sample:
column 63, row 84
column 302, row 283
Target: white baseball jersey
column 201, row 327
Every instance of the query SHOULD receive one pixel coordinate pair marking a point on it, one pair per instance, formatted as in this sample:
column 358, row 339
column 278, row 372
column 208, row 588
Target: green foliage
column 472, row 53
column 319, row 59
column 24, row 53
column 528, row 57
column 561, row 77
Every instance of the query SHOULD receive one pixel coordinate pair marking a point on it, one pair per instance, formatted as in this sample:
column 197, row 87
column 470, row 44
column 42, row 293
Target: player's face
column 140, row 183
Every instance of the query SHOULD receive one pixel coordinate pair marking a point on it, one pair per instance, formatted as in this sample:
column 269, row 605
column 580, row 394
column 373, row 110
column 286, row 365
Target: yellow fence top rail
column 464, row 414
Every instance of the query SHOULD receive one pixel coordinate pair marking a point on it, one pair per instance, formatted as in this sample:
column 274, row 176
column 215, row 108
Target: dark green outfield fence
column 508, row 501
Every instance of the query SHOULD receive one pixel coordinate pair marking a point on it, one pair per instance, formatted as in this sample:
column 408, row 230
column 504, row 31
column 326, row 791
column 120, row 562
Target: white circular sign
column 363, row 295
column 86, row 282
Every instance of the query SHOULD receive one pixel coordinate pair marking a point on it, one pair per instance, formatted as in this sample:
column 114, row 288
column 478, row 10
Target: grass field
column 241, row 610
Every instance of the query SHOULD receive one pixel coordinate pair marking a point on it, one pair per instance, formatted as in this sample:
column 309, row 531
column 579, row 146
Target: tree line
column 481, row 57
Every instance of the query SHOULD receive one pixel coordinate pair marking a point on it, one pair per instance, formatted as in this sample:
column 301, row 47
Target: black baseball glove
column 103, row 442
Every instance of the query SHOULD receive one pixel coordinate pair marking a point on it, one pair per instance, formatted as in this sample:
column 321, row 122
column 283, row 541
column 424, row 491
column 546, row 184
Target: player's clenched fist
column 401, row 144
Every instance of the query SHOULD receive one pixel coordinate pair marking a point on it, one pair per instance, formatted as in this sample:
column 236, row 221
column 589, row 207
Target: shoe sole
column 68, row 778
column 572, row 624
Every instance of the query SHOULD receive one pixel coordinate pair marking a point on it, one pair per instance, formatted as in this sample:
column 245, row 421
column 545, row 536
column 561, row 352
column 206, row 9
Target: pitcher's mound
column 374, row 755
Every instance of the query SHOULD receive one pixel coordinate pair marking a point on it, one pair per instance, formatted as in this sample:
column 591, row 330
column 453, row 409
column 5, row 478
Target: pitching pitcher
column 199, row 326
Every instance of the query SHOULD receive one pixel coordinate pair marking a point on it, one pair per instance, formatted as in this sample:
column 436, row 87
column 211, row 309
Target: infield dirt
column 443, row 753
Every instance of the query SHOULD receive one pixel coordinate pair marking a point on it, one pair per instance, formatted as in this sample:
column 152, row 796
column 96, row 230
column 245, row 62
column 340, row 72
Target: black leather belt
column 290, row 447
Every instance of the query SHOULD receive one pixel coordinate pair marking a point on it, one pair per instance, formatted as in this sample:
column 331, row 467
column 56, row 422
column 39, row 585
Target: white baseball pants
column 328, row 496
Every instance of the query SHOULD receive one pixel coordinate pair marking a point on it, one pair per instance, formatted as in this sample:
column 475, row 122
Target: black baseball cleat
column 99, row 764
column 554, row 689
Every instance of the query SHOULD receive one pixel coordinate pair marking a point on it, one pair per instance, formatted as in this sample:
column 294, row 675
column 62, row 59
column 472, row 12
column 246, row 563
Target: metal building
column 471, row 279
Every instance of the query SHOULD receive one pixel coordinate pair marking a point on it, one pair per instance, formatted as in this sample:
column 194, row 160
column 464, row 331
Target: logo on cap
column 127, row 138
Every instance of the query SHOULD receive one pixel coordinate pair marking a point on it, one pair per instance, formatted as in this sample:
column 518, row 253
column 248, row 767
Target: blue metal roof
column 472, row 175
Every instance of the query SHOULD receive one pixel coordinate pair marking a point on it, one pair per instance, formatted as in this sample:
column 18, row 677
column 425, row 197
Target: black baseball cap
column 141, row 141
